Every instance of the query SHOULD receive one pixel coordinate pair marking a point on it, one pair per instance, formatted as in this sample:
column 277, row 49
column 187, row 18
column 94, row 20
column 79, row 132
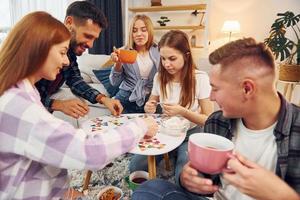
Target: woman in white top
column 181, row 89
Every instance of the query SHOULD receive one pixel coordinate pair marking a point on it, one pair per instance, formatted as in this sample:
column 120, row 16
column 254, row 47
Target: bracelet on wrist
column 100, row 98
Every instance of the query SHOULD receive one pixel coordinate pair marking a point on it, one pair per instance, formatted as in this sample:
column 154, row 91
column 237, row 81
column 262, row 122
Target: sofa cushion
column 103, row 77
column 89, row 62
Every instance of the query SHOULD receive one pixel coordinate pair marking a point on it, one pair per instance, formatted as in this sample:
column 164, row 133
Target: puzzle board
column 159, row 144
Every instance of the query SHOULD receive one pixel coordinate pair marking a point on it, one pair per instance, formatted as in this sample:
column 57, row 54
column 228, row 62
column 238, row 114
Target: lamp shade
column 231, row 27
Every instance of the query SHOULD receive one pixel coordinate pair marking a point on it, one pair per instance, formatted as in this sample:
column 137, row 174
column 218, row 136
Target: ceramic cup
column 209, row 153
column 127, row 56
column 136, row 178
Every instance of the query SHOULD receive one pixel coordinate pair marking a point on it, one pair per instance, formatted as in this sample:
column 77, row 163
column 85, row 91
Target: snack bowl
column 175, row 126
column 110, row 193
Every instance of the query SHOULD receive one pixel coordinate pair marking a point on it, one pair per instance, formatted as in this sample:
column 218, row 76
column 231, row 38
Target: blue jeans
column 129, row 107
column 139, row 162
column 163, row 190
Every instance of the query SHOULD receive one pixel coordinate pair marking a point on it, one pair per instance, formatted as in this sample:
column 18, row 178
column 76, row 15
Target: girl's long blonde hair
column 27, row 46
column 149, row 27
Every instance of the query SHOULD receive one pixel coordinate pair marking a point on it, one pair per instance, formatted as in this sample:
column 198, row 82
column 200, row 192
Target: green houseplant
column 283, row 47
column 163, row 20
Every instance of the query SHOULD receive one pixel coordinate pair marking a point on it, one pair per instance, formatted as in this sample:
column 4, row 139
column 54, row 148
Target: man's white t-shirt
column 173, row 90
column 258, row 146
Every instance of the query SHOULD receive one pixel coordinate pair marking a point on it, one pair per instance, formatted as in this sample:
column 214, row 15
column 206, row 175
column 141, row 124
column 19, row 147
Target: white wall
column 255, row 17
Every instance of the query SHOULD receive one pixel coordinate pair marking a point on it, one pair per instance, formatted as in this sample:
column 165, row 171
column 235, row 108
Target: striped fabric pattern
column 36, row 149
column 70, row 75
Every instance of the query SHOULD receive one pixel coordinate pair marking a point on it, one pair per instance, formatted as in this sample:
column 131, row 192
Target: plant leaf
column 288, row 18
column 280, row 46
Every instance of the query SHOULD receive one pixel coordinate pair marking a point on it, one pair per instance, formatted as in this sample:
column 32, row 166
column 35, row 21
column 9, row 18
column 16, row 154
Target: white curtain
column 19, row 8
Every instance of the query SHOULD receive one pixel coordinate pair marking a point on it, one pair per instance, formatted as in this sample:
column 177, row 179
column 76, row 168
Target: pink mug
column 209, row 153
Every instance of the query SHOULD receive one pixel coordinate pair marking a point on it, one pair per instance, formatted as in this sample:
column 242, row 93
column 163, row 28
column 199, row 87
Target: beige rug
column 114, row 174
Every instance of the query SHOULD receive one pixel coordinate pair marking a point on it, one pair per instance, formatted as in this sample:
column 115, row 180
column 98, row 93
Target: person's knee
column 152, row 189
column 134, row 167
column 159, row 189
column 137, row 163
column 153, row 184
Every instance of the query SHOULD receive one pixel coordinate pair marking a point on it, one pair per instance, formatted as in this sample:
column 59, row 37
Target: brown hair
column 27, row 46
column 179, row 40
column 84, row 10
column 149, row 26
column 246, row 48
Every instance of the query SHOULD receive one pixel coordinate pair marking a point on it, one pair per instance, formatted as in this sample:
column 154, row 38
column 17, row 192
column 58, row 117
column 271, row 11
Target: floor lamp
column 231, row 26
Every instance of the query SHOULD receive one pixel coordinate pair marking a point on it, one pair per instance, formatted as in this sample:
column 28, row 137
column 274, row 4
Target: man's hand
column 113, row 105
column 192, row 182
column 257, row 182
column 73, row 107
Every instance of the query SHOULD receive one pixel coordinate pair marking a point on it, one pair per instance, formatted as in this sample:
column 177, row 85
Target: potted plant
column 284, row 48
column 163, row 20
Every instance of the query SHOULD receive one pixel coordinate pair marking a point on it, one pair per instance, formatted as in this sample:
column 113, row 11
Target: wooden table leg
column 285, row 89
column 167, row 162
column 292, row 87
column 151, row 167
column 87, row 180
column 288, row 90
column 72, row 194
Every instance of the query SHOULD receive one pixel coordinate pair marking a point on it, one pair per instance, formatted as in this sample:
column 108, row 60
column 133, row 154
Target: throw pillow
column 103, row 76
column 108, row 63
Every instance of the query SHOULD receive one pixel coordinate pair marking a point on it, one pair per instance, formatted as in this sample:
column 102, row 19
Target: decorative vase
column 156, row 3
column 289, row 72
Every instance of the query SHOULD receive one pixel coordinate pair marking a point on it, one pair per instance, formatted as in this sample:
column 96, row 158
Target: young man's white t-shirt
column 258, row 146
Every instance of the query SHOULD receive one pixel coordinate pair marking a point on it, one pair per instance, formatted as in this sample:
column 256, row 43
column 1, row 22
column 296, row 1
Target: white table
column 160, row 144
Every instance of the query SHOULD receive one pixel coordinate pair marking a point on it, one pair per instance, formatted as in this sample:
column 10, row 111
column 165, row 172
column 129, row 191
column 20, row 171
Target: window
column 13, row 10
column 5, row 22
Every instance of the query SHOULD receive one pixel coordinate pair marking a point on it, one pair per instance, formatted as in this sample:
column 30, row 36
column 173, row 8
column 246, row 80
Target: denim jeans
column 163, row 190
column 129, row 107
column 139, row 162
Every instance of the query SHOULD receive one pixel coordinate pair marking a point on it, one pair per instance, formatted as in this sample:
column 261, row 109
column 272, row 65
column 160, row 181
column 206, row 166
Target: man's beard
column 75, row 46
column 73, row 42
